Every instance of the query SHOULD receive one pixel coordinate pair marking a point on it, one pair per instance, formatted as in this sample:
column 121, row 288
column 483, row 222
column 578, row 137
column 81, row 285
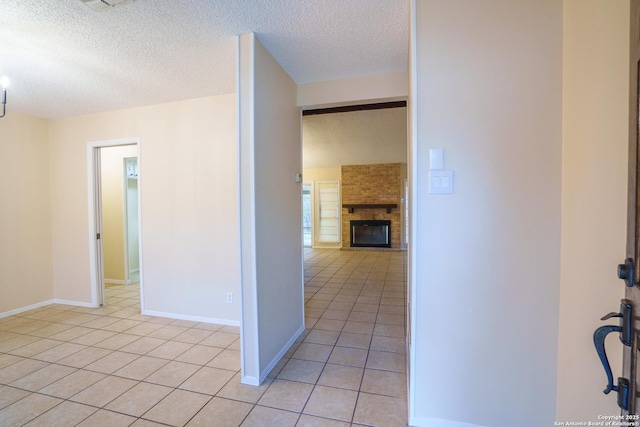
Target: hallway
column 355, row 316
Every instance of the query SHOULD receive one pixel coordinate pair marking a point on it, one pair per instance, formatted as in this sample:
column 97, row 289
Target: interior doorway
column 357, row 299
column 359, row 296
column 114, row 225
column 356, row 155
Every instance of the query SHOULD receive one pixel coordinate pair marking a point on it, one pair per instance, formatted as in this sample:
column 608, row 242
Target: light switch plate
column 440, row 182
column 436, row 158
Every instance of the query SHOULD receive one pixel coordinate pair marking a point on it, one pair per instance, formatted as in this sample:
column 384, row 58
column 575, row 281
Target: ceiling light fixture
column 102, row 5
column 3, row 96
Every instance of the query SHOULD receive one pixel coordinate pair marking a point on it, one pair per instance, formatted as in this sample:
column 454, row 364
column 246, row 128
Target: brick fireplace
column 372, row 193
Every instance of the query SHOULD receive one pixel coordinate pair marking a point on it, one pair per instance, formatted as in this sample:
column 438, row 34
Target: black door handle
column 626, row 320
column 625, row 329
column 598, row 340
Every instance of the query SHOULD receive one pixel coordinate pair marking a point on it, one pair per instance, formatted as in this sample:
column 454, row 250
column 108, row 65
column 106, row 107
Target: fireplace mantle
column 387, row 206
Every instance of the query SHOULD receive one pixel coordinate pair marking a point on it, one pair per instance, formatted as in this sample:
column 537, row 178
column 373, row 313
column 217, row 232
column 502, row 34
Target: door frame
column 412, row 177
column 94, row 186
column 630, row 352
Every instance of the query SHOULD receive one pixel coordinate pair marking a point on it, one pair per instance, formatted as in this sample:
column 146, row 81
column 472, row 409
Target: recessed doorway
column 114, row 207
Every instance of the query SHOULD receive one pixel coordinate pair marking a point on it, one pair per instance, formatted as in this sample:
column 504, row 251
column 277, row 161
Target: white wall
column 271, row 218
column 322, row 174
column 189, row 204
column 25, row 232
column 488, row 90
column 355, row 138
column 594, row 205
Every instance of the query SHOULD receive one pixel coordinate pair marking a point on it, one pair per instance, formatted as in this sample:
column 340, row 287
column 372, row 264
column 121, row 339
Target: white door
column 329, row 211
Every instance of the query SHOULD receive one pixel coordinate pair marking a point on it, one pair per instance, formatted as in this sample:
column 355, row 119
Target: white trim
column 437, row 422
column 116, row 281
column 249, row 325
column 74, row 303
column 280, row 354
column 412, row 175
column 26, row 308
column 180, row 316
column 250, row 380
column 252, row 208
column 93, row 268
column 44, row 303
column 140, row 252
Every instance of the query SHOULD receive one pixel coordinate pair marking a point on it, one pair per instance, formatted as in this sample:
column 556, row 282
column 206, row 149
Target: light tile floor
column 65, row 366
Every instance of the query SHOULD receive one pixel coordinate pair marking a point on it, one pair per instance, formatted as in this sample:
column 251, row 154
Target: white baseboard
column 114, row 281
column 249, row 380
column 76, row 303
column 26, row 308
column 42, row 304
column 437, row 422
column 180, row 316
column 280, row 354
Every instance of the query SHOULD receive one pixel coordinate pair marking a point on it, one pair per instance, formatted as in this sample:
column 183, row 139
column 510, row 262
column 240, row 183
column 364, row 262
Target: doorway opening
column 356, row 283
column 114, row 224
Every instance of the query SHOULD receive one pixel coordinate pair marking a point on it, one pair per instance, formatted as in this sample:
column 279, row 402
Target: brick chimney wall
column 368, row 184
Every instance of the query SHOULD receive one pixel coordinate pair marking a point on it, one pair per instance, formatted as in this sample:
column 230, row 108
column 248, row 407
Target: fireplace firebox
column 371, row 233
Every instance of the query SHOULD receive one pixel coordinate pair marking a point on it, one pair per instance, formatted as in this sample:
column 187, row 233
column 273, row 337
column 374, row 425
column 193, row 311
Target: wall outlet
column 229, row 297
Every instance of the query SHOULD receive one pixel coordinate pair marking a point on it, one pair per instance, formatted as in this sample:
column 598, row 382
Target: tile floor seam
column 141, row 417
column 62, row 400
column 65, row 399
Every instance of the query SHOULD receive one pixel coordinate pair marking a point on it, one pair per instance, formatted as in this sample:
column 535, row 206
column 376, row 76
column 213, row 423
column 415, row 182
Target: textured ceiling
column 63, row 59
